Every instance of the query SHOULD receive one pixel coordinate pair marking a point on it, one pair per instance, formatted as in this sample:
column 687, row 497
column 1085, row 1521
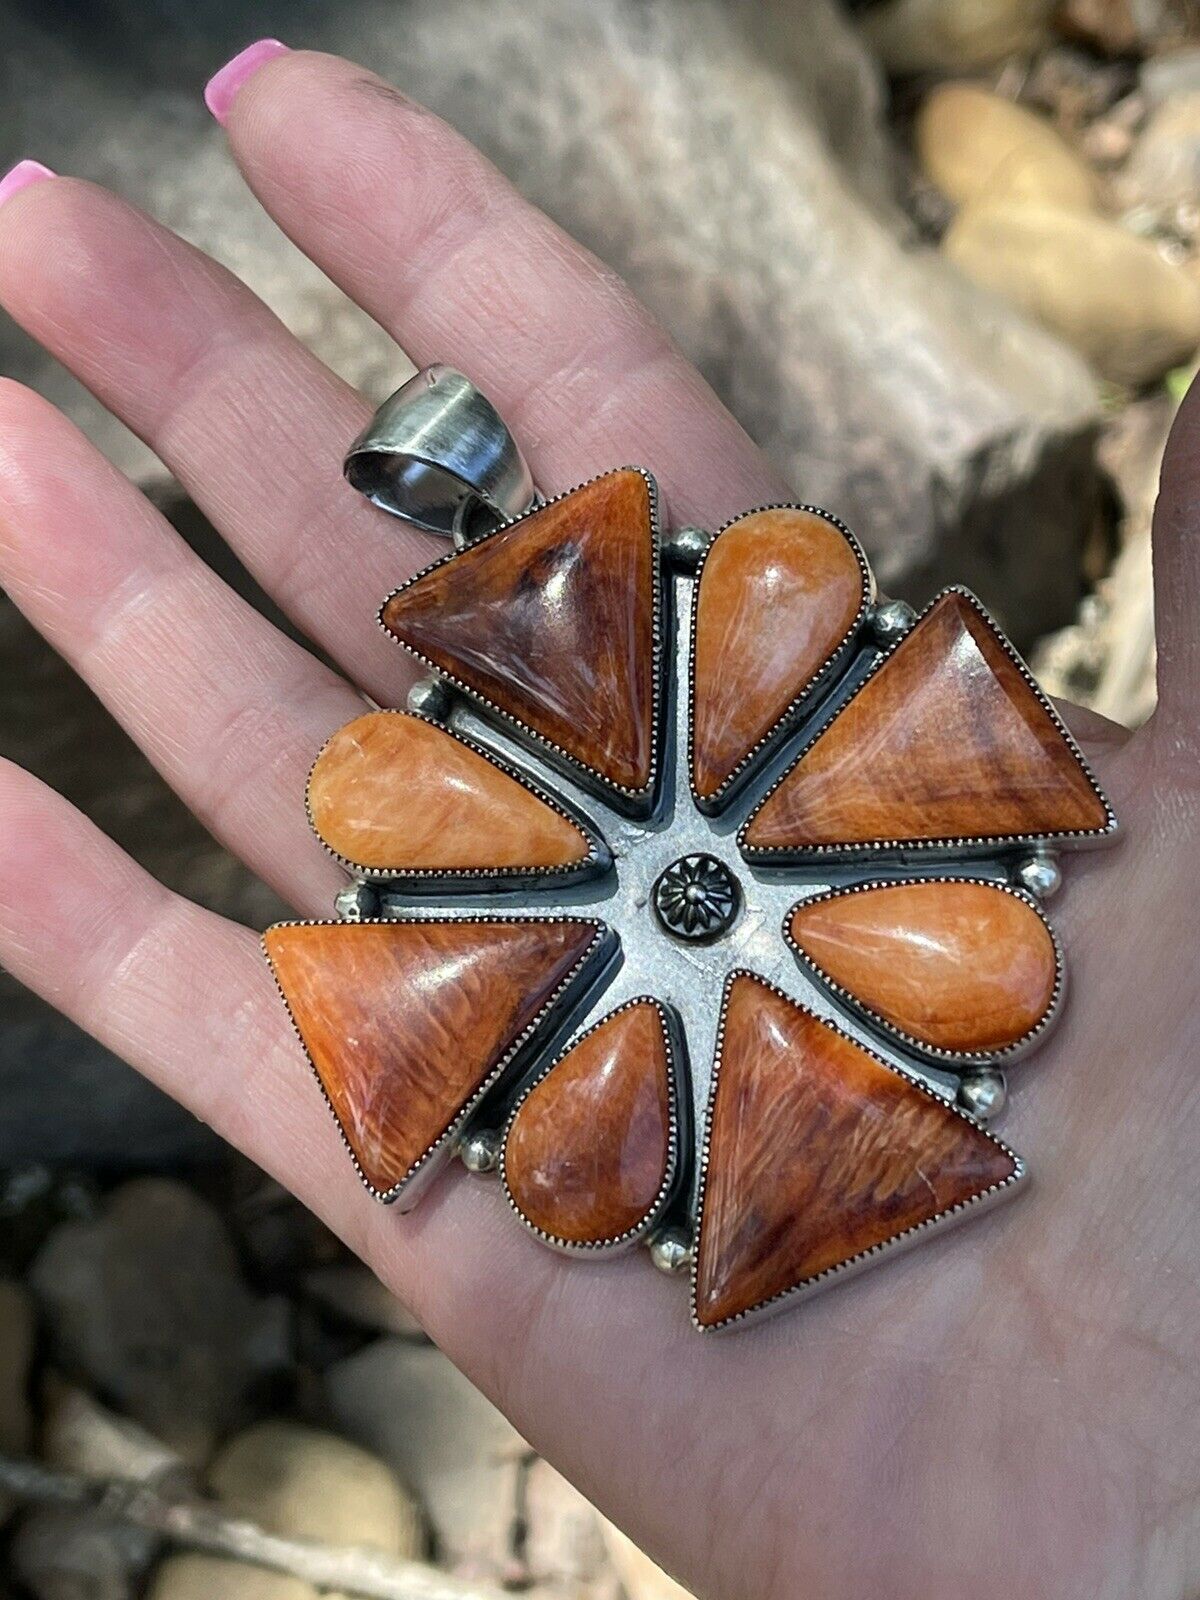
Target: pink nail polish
column 222, row 88
column 21, row 176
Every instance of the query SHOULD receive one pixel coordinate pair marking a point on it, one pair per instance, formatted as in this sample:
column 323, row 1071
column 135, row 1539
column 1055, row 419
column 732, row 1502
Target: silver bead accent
column 1039, row 875
column 686, row 546
column 480, row 1151
column 671, row 1251
column 430, row 697
column 359, row 902
column 891, row 620
column 982, row 1094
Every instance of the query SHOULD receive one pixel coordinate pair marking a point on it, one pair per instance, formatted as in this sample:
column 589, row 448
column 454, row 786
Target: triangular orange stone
column 406, row 1021
column 817, row 1152
column 552, row 621
column 778, row 595
column 587, row 1153
column 946, row 741
column 393, row 793
column 955, row 966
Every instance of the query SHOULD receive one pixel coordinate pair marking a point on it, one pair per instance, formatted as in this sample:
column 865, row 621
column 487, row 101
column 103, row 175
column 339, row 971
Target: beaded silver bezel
column 965, row 1060
column 902, row 1240
column 412, row 1184
column 472, row 879
column 969, row 846
column 636, row 802
column 677, row 1123
column 808, row 698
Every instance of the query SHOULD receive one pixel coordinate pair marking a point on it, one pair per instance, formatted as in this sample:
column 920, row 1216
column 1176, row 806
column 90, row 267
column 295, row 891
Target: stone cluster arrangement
column 860, row 747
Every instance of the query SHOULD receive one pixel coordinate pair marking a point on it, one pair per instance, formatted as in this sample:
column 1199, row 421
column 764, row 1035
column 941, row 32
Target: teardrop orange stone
column 404, row 1021
column 817, row 1153
column 947, row 740
column 552, row 621
column 586, row 1155
column 778, row 594
column 958, row 966
column 394, row 793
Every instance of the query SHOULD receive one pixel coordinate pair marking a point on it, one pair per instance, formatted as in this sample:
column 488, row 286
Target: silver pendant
column 697, row 894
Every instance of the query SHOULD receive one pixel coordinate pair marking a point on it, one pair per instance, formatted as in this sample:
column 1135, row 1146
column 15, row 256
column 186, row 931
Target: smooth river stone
column 958, row 966
column 394, row 793
column 779, row 592
column 405, row 1021
column 587, row 1152
column 946, row 741
column 818, row 1152
column 552, row 620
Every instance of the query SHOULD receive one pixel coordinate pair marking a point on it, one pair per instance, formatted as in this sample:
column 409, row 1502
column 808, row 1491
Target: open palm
column 1010, row 1412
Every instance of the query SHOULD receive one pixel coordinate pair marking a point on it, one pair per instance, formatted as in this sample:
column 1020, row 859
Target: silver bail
column 438, row 454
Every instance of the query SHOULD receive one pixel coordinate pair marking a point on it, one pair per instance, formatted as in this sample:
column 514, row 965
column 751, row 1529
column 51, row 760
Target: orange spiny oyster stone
column 552, row 620
column 817, row 1153
column 404, row 1021
column 394, row 793
column 957, row 966
column 587, row 1153
column 778, row 594
column 947, row 740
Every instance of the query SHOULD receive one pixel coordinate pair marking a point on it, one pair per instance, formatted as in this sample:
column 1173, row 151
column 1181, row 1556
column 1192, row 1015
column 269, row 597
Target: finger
column 228, row 709
column 248, row 420
column 424, row 233
column 179, row 992
column 1177, row 582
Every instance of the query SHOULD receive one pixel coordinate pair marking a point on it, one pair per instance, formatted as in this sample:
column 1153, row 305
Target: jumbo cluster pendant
column 697, row 893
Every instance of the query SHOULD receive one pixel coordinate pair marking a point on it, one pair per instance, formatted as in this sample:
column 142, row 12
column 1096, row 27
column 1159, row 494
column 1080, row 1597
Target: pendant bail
column 439, row 454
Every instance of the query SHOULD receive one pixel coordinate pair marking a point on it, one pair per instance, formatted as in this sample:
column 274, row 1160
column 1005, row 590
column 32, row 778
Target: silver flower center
column 697, row 898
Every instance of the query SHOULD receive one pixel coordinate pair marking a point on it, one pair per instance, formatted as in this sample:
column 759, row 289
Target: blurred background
column 941, row 259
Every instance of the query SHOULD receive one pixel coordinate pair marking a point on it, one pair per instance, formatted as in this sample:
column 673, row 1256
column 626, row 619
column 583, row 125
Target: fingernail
column 21, row 176
column 221, row 90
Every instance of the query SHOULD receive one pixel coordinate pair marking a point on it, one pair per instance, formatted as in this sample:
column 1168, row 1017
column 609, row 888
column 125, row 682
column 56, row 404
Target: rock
column 975, row 145
column 71, row 1555
column 351, row 1291
column 1163, row 77
column 306, row 1484
column 80, row 1435
column 197, row 1577
column 1107, row 141
column 1109, row 26
column 1164, row 169
column 16, row 1354
column 954, row 35
column 66, row 1554
column 148, row 1303
column 1111, row 295
column 449, row 1445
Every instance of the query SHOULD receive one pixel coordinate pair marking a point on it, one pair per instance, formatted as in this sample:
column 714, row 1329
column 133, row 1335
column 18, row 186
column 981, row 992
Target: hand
column 1009, row 1412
